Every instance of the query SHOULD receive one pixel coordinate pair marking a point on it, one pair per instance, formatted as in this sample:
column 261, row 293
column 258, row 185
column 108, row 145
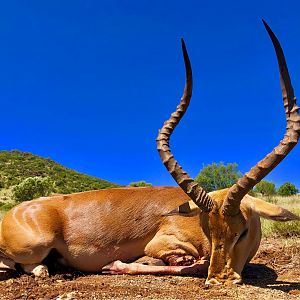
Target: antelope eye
column 243, row 235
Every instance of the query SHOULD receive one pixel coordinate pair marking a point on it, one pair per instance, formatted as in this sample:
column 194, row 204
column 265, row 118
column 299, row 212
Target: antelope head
column 230, row 217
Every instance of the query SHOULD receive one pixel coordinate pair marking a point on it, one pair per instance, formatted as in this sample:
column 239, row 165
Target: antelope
column 154, row 230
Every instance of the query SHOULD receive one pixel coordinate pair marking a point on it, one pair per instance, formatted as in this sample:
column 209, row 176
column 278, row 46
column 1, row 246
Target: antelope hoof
column 40, row 271
column 6, row 274
column 237, row 281
column 37, row 270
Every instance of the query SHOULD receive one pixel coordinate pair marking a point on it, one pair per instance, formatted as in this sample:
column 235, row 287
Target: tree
column 287, row 189
column 140, row 184
column 217, row 176
column 32, row 187
column 266, row 188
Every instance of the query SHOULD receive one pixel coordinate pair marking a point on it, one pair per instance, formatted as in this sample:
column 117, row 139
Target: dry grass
column 288, row 202
column 285, row 229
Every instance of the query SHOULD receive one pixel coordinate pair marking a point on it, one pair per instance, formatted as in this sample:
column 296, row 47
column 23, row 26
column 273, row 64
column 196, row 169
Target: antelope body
column 187, row 230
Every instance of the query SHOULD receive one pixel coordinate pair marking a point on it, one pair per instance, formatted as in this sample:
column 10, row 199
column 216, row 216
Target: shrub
column 287, row 189
column 4, row 206
column 140, row 184
column 32, row 187
column 218, row 176
column 266, row 188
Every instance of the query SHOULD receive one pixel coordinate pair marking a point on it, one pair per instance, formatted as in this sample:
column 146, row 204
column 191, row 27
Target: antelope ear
column 188, row 209
column 270, row 211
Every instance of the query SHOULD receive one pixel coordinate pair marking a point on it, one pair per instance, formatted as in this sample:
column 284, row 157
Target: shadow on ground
column 262, row 276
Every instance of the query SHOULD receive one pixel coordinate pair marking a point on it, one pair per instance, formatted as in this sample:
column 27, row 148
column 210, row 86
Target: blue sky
column 89, row 83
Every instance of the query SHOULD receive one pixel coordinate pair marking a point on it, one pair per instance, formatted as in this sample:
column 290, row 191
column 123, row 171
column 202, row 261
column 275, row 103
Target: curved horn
column 266, row 165
column 189, row 186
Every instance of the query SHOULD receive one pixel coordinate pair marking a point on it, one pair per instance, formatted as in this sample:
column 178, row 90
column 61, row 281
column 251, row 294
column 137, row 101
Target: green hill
column 15, row 166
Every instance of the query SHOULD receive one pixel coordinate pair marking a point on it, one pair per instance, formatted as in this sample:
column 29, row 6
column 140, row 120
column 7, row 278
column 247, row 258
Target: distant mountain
column 15, row 166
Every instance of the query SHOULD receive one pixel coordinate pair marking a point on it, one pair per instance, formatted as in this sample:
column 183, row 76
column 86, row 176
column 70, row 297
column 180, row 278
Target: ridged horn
column 265, row 166
column 189, row 186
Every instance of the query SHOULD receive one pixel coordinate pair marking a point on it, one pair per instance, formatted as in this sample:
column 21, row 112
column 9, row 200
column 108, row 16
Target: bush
column 32, row 187
column 287, row 189
column 140, row 184
column 266, row 188
column 4, row 206
column 218, row 176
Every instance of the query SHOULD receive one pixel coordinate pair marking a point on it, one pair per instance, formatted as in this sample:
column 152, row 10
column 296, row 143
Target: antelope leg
column 117, row 267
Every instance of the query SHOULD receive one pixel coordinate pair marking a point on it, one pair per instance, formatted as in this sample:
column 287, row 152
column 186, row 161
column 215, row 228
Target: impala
column 153, row 230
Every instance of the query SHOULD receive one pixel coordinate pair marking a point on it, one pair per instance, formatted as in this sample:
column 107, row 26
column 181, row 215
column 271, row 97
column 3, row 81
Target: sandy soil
column 273, row 274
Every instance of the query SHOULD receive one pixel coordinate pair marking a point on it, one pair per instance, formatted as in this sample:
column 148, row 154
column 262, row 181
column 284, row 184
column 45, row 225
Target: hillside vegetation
column 16, row 166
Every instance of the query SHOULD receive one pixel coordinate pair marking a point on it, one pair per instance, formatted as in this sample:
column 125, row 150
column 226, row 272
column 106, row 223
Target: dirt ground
column 274, row 273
